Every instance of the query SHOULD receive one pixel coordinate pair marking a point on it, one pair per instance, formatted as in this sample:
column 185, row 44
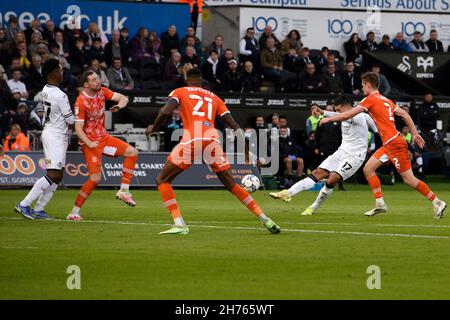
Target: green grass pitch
column 228, row 255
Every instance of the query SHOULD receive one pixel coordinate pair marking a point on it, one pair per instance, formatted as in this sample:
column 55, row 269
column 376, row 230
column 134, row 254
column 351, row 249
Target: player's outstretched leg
column 324, row 193
column 439, row 206
column 370, row 172
column 243, row 196
column 164, row 180
column 302, row 185
column 84, row 193
column 129, row 163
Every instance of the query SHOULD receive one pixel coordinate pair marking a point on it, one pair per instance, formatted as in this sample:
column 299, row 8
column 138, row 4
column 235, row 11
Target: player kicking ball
column 394, row 149
column 58, row 118
column 342, row 164
column 96, row 142
column 200, row 141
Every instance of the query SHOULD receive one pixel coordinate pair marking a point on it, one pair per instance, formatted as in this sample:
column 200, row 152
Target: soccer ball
column 250, row 183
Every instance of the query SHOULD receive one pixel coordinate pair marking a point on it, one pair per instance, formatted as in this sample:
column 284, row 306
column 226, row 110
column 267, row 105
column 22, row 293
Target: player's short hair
column 85, row 76
column 372, row 78
column 194, row 74
column 342, row 100
column 49, row 66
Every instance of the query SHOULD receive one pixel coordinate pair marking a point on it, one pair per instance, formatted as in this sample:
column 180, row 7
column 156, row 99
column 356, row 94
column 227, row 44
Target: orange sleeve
column 221, row 107
column 79, row 110
column 366, row 104
column 107, row 93
column 177, row 94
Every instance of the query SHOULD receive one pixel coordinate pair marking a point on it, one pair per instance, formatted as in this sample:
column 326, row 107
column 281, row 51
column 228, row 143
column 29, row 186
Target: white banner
column 438, row 6
column 320, row 28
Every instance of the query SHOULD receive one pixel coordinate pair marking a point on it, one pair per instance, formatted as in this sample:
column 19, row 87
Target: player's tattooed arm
column 343, row 116
column 412, row 127
column 163, row 114
column 121, row 100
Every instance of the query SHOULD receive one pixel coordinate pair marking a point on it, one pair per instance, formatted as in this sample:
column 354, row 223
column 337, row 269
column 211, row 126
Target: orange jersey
column 381, row 109
column 91, row 110
column 198, row 109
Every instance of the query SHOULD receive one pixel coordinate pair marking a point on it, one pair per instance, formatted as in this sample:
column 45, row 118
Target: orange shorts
column 396, row 151
column 208, row 152
column 110, row 146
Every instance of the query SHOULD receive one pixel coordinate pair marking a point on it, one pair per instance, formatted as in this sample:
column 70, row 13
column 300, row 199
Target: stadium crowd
column 151, row 61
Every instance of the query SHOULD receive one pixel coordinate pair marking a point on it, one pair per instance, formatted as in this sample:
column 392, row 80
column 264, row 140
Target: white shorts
column 55, row 148
column 342, row 163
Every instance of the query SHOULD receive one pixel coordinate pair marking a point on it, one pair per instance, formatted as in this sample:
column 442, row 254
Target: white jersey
column 57, row 112
column 355, row 133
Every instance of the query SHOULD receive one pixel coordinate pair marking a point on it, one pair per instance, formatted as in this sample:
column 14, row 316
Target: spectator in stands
column 292, row 41
column 12, row 28
column 313, row 120
column 331, row 59
column 63, row 46
column 191, row 57
column 22, row 117
column 124, row 41
column 15, row 85
column 268, row 33
column 304, row 58
column 385, row 44
column 311, row 81
column 94, row 33
column 116, row 49
column 272, row 65
column 321, row 59
column 353, row 49
column 173, row 123
column 211, row 71
column 434, row 44
column 16, row 141
column 119, row 77
column 4, row 49
column 170, row 41
column 249, row 49
column 78, row 57
column 384, row 86
column 258, row 140
column 369, row 44
column 35, row 27
column 274, row 121
column 96, row 67
column 217, row 45
column 97, row 52
column 231, row 80
column 35, row 79
column 228, row 55
column 351, row 79
column 283, row 122
column 14, row 43
column 140, row 45
column 292, row 62
column 400, row 44
column 428, row 113
column 72, row 32
column 190, row 42
column 15, row 64
column 333, row 81
column 190, row 32
column 155, row 45
column 250, row 79
column 290, row 154
column 49, row 33
column 417, row 44
column 3, row 74
column 35, row 41
column 25, row 58
column 171, row 76
column 37, row 118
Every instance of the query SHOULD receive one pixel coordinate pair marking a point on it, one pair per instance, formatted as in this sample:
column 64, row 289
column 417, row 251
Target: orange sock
column 128, row 169
column 168, row 197
column 425, row 190
column 375, row 185
column 85, row 191
column 246, row 199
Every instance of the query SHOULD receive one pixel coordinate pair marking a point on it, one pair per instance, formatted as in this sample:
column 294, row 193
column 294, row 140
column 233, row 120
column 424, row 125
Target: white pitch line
column 402, row 235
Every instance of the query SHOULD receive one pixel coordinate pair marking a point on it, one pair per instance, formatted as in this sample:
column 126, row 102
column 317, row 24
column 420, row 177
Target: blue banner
column 109, row 15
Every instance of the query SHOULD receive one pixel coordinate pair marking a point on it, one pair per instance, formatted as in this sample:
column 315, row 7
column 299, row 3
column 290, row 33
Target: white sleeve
column 330, row 113
column 64, row 106
column 370, row 123
column 242, row 50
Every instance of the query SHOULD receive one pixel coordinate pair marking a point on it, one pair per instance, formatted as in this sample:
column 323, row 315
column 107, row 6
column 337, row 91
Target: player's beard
column 97, row 89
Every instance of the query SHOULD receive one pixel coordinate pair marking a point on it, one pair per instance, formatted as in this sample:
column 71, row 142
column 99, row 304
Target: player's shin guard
column 425, row 190
column 170, row 202
column 248, row 201
column 375, row 185
column 84, row 193
column 129, row 164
